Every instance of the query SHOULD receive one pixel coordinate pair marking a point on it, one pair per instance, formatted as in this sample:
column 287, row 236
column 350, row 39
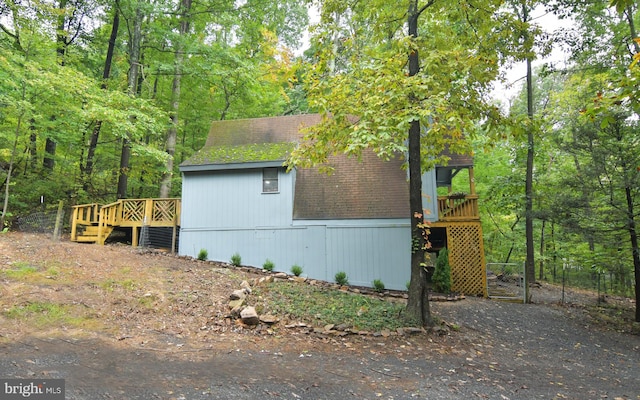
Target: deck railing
column 136, row 212
column 85, row 214
column 458, row 208
column 132, row 213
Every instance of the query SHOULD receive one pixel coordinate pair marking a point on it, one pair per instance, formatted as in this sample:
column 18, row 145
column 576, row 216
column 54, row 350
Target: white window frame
column 268, row 182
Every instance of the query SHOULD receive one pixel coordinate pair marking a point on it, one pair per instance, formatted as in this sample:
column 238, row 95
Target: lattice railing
column 158, row 212
column 164, row 210
column 133, row 210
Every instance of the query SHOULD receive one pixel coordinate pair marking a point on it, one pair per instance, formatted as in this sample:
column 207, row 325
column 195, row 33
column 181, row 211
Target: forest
column 103, row 99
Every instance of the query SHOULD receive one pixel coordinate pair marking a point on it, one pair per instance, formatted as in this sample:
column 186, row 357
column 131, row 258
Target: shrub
column 296, row 270
column 378, row 285
column 236, row 260
column 442, row 275
column 341, row 278
column 268, row 265
column 203, row 255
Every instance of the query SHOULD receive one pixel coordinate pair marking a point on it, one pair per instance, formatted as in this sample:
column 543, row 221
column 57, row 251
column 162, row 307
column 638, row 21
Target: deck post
column 74, row 224
column 173, row 236
column 101, row 218
column 134, row 236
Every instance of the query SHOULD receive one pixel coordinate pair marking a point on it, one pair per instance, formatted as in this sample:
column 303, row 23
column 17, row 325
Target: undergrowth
column 46, row 314
column 320, row 306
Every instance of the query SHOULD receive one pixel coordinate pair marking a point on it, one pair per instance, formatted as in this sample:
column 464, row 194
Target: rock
column 299, row 279
column 246, row 287
column 249, row 316
column 296, row 325
column 238, row 295
column 268, row 319
column 412, row 330
column 343, row 327
column 235, row 312
column 236, row 303
column 281, row 275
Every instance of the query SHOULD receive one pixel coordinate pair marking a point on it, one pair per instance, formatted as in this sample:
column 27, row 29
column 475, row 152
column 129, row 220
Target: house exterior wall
column 225, row 212
column 234, row 200
column 364, row 250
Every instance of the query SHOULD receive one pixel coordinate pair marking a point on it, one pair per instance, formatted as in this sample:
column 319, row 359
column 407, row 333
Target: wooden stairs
column 93, row 223
column 92, row 234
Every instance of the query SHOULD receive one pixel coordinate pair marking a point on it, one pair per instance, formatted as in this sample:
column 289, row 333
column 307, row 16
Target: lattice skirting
column 466, row 257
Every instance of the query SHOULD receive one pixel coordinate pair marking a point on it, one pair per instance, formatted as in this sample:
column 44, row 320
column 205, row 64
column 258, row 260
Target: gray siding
column 226, row 212
column 430, row 198
column 365, row 250
column 234, row 199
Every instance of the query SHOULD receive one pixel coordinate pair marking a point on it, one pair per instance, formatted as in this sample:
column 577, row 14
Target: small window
column 269, row 180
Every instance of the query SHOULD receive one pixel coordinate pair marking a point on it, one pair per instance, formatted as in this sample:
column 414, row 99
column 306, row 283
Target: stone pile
column 247, row 316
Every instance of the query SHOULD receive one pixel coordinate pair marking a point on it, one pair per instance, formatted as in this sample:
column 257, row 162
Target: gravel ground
column 494, row 350
column 501, row 351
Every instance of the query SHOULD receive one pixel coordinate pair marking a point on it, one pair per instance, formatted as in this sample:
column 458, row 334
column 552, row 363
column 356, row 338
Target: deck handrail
column 84, row 214
column 458, row 208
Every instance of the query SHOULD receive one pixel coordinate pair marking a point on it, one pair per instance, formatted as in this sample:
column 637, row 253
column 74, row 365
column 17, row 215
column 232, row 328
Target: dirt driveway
column 164, row 340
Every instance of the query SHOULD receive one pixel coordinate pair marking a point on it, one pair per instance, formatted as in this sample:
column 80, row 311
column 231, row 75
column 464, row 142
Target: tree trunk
column 529, row 267
column 418, row 302
column 165, row 185
column 633, row 235
column 33, row 146
column 87, row 170
column 61, row 50
column 542, row 244
column 632, row 224
column 132, row 83
column 5, row 205
column 49, row 154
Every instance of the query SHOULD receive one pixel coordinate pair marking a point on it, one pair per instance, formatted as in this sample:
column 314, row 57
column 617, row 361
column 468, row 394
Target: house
column 238, row 198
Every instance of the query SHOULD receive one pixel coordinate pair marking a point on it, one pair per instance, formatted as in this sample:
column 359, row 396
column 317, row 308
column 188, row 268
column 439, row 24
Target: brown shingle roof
column 366, row 188
column 251, row 140
column 370, row 188
column 458, row 160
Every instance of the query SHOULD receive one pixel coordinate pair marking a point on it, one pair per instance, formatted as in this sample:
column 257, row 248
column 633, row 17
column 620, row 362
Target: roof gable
column 368, row 187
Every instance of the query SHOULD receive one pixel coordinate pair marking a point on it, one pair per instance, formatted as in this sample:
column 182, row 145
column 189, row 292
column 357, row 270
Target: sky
column 516, row 74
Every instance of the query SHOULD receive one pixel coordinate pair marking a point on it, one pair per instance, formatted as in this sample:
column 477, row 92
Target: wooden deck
column 94, row 223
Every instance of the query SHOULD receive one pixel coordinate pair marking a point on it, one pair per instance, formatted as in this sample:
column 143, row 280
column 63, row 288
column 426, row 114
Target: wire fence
column 506, row 281
column 601, row 282
column 40, row 222
column 48, row 222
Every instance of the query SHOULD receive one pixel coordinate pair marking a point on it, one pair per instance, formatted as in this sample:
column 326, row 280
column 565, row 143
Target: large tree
column 408, row 79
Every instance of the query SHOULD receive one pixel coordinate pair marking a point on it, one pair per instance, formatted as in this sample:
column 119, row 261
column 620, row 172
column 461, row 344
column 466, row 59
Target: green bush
column 378, row 285
column 442, row 275
column 341, row 278
column 203, row 255
column 236, row 260
column 268, row 265
column 296, row 270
